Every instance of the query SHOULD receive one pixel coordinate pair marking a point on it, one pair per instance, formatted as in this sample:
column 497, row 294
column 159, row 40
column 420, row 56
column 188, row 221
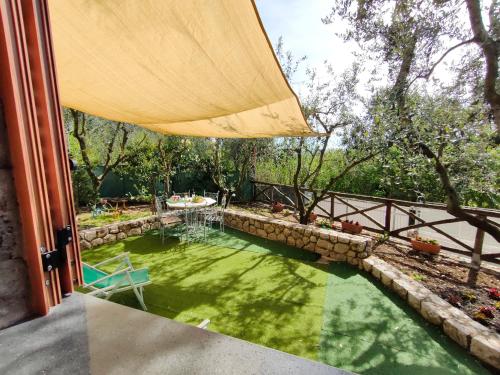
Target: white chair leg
column 140, row 299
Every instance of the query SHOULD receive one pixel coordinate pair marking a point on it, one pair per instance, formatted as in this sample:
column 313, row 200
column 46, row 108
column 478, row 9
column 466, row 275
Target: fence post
column 478, row 248
column 332, row 206
column 388, row 210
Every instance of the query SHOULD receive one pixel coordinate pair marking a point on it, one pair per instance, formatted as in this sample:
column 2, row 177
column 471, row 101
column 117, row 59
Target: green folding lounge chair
column 123, row 278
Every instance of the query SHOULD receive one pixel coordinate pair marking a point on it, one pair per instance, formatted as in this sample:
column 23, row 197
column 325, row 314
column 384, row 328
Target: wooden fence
column 268, row 192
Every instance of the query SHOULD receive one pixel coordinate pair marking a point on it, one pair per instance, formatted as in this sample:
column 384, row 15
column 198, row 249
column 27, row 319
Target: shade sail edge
column 156, row 64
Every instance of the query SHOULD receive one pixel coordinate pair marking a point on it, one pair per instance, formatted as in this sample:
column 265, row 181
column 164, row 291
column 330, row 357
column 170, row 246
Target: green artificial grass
column 274, row 295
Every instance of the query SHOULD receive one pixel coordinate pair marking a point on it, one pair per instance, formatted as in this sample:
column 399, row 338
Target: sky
column 299, row 23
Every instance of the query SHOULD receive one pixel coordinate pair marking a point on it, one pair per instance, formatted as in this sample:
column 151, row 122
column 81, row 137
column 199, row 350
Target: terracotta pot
column 278, row 207
column 425, row 247
column 312, row 217
column 351, row 228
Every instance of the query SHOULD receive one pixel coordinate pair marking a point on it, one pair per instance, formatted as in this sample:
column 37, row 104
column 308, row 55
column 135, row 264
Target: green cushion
column 91, row 274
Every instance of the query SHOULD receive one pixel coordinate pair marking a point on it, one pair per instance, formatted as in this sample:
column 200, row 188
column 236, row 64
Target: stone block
column 368, row 264
column 338, row 257
column 261, row 233
column 299, row 243
column 324, row 244
column 324, row 236
column 109, row 238
column 487, row 348
column 387, row 276
column 96, row 242
column 334, row 238
column 313, row 239
column 101, row 232
column 113, row 229
column 402, row 285
column 84, row 245
column 435, row 309
column 343, row 239
column 462, row 329
column 353, row 261
column 310, row 246
column 121, row 236
column 134, row 232
column 416, row 296
column 341, row 248
column 351, row 254
column 269, row 228
column 281, row 237
column 363, row 255
column 89, row 235
column 290, row 241
column 272, row 236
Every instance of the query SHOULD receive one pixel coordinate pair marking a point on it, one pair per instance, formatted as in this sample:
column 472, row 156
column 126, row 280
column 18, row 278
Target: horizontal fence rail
column 396, row 218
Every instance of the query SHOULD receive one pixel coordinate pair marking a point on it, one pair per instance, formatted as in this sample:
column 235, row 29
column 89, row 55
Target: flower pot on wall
column 312, row 217
column 354, row 228
column 278, row 207
column 426, row 247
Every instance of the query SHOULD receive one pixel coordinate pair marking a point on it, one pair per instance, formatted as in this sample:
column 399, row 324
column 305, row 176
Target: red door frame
column 29, row 93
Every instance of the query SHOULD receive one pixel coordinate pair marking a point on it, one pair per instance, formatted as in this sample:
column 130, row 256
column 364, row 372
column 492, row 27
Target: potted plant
column 426, row 245
column 323, row 223
column 277, row 206
column 351, row 227
column 312, row 217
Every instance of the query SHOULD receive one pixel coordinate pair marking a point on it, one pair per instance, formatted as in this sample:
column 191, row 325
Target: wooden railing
column 268, row 192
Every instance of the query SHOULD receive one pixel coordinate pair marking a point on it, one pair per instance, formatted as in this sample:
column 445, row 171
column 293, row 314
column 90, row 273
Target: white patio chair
column 215, row 214
column 167, row 218
column 123, row 278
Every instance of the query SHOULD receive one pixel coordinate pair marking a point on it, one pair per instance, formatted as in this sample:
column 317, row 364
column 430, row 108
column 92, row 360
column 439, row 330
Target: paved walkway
column 87, row 335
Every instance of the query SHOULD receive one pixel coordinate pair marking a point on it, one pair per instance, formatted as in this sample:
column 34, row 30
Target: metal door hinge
column 52, row 259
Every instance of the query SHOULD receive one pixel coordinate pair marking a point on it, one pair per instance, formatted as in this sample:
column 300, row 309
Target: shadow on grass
column 253, row 294
column 371, row 330
column 250, row 288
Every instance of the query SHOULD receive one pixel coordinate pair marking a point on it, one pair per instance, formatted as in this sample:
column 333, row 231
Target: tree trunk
column 491, row 51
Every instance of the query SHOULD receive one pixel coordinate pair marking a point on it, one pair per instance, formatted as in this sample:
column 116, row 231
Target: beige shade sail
column 186, row 67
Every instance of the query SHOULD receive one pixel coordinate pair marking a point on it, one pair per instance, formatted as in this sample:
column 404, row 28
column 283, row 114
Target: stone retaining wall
column 330, row 244
column 476, row 338
column 115, row 232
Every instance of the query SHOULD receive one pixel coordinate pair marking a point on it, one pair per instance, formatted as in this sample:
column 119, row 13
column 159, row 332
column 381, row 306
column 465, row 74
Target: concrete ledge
column 476, row 338
column 330, row 244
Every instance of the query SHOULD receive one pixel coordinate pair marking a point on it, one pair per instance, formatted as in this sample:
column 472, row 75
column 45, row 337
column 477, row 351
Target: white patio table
column 195, row 223
column 183, row 203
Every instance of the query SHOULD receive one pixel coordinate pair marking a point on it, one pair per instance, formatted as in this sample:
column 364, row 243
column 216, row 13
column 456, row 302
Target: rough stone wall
column 115, row 232
column 13, row 271
column 332, row 245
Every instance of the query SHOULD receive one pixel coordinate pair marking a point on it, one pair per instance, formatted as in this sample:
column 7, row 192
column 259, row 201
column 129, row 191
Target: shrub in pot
column 312, row 217
column 425, row 245
column 277, row 207
column 351, row 227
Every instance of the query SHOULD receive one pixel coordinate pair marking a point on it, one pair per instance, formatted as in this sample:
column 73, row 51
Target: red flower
column 487, row 310
column 494, row 293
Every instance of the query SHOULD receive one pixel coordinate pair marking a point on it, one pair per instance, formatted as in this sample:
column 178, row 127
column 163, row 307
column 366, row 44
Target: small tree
column 330, row 107
column 102, row 145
